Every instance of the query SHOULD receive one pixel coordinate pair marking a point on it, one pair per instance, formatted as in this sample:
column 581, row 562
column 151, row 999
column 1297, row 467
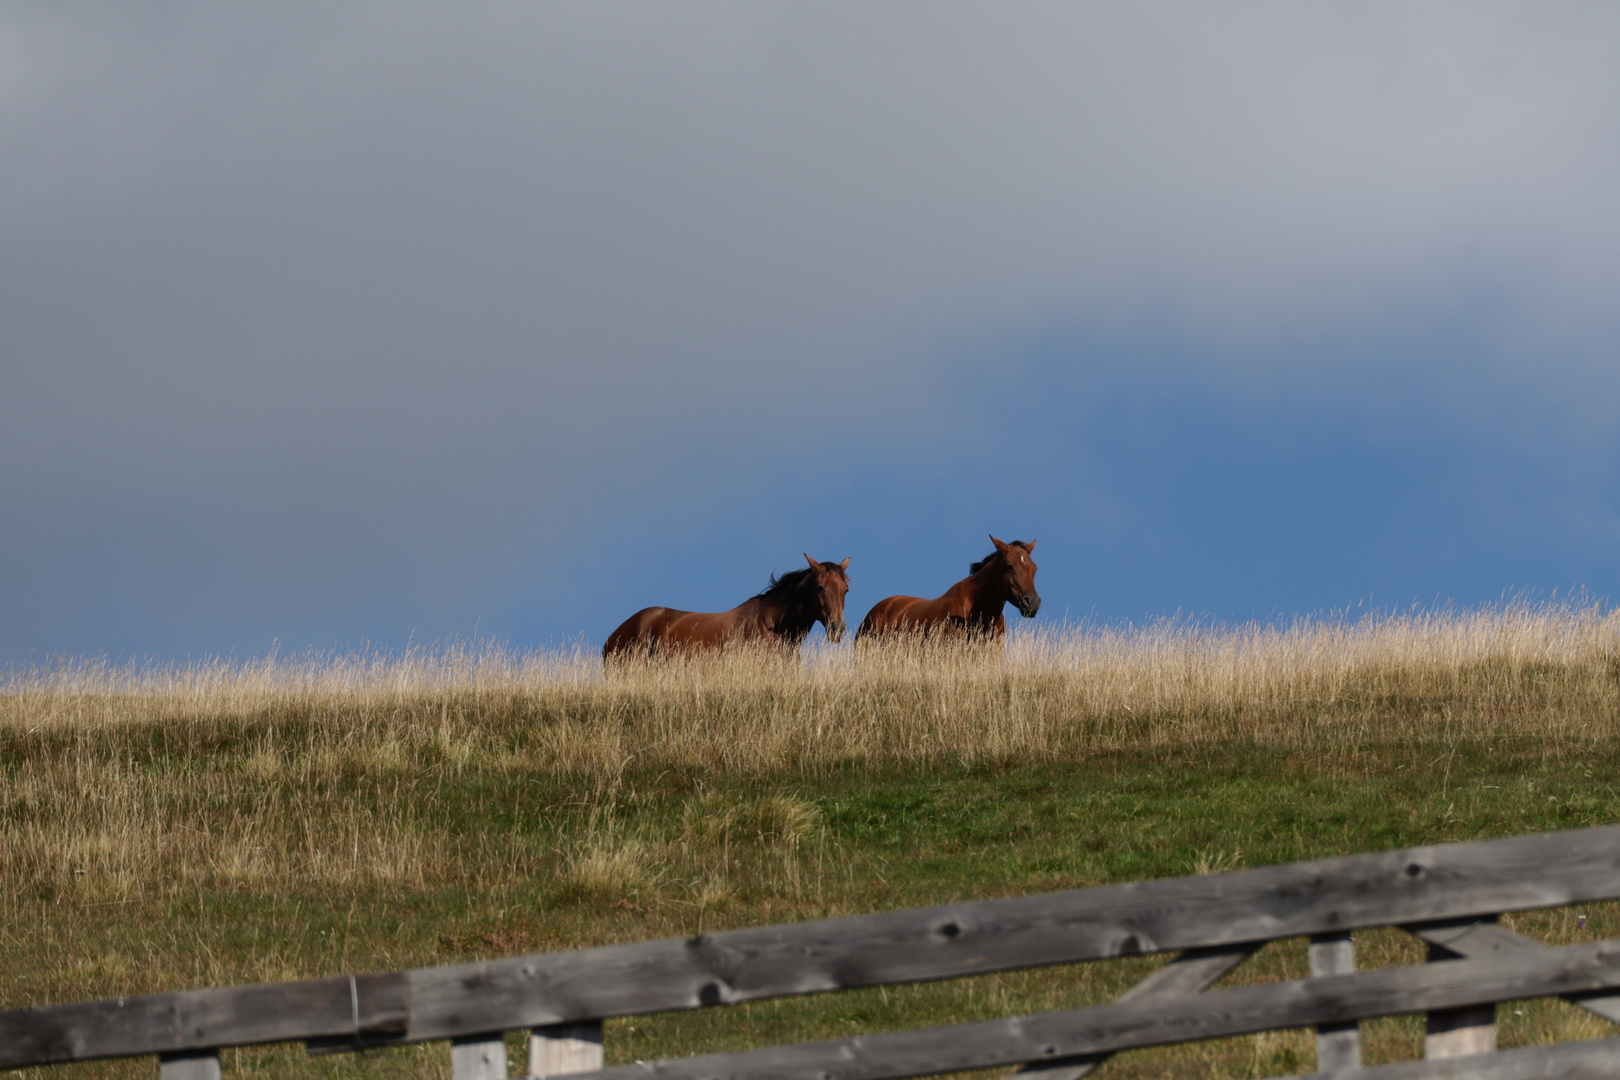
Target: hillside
column 293, row 816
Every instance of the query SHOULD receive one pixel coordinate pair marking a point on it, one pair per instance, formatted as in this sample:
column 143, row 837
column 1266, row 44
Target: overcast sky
column 325, row 324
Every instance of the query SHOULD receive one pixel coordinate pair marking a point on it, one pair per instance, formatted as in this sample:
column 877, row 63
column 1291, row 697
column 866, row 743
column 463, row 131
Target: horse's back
column 915, row 615
column 659, row 629
column 639, row 633
column 894, row 614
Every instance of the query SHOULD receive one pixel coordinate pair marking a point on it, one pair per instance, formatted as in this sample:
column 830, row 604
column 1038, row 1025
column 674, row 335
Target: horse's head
column 1016, row 574
column 823, row 592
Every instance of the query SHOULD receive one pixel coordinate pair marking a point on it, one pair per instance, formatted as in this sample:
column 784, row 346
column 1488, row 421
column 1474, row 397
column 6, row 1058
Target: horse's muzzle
column 835, row 632
column 1028, row 605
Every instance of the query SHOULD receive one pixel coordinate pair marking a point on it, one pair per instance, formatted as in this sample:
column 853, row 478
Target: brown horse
column 972, row 606
column 784, row 612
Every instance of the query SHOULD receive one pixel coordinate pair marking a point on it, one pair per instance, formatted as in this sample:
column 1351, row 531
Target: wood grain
column 1406, row 886
column 565, row 1048
column 196, row 1065
column 1338, row 1046
column 478, row 1057
column 1596, row 1059
column 1413, row 885
column 1479, row 938
column 366, row 1006
column 1190, row 973
column 1461, row 1032
column 1214, row 1014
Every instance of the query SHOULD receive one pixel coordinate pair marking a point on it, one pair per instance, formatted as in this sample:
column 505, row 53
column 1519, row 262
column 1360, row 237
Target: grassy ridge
column 218, row 824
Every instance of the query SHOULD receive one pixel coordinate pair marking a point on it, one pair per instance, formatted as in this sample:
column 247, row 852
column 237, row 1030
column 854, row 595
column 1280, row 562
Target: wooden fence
column 1449, row 896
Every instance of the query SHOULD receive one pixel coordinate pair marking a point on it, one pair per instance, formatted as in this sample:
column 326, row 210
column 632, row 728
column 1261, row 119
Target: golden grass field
column 220, row 822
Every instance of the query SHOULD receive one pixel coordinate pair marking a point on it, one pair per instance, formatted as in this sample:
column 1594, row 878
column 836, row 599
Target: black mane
column 982, row 563
column 784, row 585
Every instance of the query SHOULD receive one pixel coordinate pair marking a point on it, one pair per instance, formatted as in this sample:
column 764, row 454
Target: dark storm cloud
column 350, row 320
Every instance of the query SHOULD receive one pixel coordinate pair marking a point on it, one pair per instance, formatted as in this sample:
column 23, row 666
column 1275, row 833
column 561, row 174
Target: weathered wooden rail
column 1450, row 896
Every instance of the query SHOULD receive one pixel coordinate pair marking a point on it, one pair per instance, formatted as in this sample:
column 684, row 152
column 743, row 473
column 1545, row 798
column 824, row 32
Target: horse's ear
column 999, row 545
column 845, row 564
column 813, row 564
column 1030, row 546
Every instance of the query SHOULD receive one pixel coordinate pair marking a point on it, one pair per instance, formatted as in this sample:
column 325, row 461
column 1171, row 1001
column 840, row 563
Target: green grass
column 286, row 818
column 530, row 862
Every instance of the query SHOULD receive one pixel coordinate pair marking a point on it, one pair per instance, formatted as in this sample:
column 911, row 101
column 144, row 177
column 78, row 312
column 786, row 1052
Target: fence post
column 1458, row 1032
column 191, row 1065
column 478, row 1057
column 1338, row 1046
column 565, row 1048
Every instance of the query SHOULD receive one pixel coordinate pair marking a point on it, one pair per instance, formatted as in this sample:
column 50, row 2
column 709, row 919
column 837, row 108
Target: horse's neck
column 984, row 594
column 779, row 616
column 795, row 620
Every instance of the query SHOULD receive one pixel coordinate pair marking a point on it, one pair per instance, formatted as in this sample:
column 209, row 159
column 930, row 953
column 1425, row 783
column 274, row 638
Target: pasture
column 312, row 815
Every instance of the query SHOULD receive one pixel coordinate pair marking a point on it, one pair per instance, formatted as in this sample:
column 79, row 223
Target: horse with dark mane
column 970, row 607
column 784, row 611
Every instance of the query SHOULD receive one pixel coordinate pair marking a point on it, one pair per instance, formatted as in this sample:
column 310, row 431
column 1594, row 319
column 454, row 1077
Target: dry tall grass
column 328, row 768
column 1553, row 669
column 224, row 821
